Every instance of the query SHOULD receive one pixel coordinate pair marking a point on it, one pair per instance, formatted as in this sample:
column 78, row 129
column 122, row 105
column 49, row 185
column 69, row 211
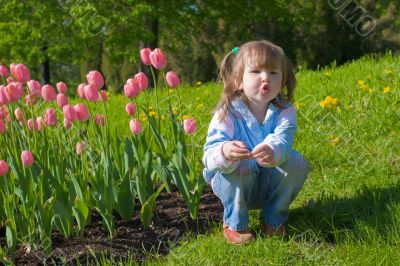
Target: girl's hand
column 263, row 154
column 235, row 150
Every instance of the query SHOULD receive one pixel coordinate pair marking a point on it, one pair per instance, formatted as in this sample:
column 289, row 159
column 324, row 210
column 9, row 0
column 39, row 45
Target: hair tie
column 235, row 50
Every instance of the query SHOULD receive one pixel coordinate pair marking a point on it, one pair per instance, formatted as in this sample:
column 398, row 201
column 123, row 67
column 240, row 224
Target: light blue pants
column 250, row 186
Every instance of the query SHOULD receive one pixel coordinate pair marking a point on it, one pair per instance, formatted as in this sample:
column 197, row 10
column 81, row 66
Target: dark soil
column 171, row 224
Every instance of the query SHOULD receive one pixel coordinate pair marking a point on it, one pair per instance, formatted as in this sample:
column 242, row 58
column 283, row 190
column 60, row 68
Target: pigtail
column 289, row 82
column 226, row 75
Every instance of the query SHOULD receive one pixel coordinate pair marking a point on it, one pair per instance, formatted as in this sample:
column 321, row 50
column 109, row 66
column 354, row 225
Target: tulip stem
column 155, row 93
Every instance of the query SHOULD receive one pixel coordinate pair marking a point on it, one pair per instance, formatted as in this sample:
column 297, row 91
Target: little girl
column 248, row 155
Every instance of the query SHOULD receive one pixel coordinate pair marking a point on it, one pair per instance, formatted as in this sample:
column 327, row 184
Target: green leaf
column 125, row 200
column 80, row 211
column 61, row 218
column 147, row 210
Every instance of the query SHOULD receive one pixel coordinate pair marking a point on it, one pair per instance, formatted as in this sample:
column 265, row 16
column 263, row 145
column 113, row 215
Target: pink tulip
column 50, row 117
column 189, row 126
column 62, row 100
column 67, row 123
column 14, row 91
column 172, row 79
column 130, row 108
column 48, row 93
column 131, row 88
column 3, row 95
column 104, row 96
column 34, row 88
column 21, row 73
column 4, row 71
column 94, row 77
column 91, row 92
column 38, row 123
column 27, row 158
column 157, row 58
column 19, row 115
column 99, row 119
column 142, row 81
column 69, row 113
column 145, row 56
column 31, row 124
column 3, row 168
column 61, row 87
column 135, row 126
column 29, row 100
column 2, row 127
column 80, row 148
column 81, row 112
column 81, row 90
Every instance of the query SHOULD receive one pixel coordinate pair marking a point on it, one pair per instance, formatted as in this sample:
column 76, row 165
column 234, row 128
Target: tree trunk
column 45, row 69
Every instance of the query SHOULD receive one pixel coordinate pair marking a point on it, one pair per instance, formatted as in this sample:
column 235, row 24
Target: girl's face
column 261, row 84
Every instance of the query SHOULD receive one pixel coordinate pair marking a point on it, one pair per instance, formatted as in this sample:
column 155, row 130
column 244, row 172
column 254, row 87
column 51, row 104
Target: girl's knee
column 297, row 164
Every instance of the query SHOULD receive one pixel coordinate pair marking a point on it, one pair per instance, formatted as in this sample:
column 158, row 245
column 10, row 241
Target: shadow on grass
column 370, row 212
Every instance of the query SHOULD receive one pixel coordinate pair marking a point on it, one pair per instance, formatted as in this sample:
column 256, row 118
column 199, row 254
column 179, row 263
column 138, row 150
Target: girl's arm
column 281, row 139
column 218, row 134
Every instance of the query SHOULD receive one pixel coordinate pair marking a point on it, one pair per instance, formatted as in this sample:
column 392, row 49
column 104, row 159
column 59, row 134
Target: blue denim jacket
column 277, row 131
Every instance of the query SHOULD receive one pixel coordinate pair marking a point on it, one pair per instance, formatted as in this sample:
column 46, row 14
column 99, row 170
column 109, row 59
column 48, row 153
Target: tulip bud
column 3, row 168
column 38, row 123
column 145, row 56
column 19, row 115
column 31, row 124
column 142, row 81
column 50, row 117
column 94, row 77
column 130, row 108
column 61, row 87
column 3, row 95
column 4, row 71
column 189, row 126
column 135, row 126
column 48, row 93
column 91, row 92
column 172, row 79
column 27, row 158
column 81, row 91
column 99, row 120
column 131, row 88
column 81, row 112
column 34, row 88
column 21, row 73
column 157, row 58
column 62, row 100
column 80, row 148
column 69, row 113
column 67, row 123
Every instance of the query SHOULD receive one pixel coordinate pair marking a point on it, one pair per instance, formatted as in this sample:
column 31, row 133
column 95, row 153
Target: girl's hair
column 256, row 54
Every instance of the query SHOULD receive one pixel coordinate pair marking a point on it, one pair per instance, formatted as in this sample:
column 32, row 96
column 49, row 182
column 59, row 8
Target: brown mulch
column 171, row 224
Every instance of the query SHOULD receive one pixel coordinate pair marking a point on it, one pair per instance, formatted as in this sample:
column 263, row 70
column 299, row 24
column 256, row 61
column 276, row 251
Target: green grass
column 348, row 212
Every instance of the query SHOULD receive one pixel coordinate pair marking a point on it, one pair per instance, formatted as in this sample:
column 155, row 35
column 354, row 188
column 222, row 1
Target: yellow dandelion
column 184, row 117
column 360, row 83
column 386, row 90
column 142, row 117
column 150, row 108
column 170, row 90
column 152, row 113
column 334, row 140
column 198, row 83
column 334, row 101
column 328, row 73
column 388, row 71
